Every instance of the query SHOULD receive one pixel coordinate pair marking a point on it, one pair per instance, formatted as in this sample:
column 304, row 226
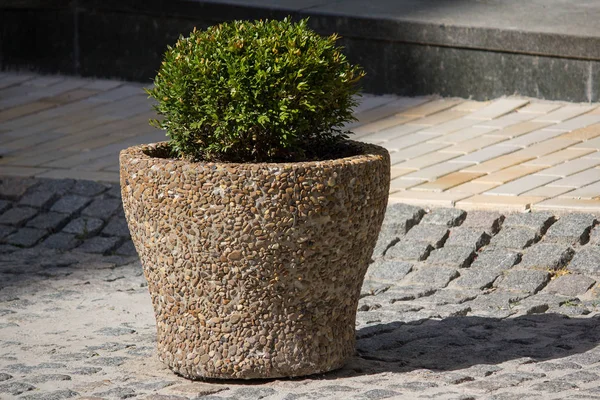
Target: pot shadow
column 457, row 343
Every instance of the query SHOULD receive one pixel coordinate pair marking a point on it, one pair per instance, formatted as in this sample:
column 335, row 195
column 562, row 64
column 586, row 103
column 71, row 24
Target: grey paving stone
column 522, row 280
column 595, row 235
column 4, row 376
column 55, row 395
column 571, row 228
column 49, row 221
column 581, row 377
column 84, row 226
column 6, row 230
column 409, row 250
column 539, row 303
column 117, row 393
column 86, row 371
column 70, row 204
column 100, row 245
column 61, row 241
column 102, row 208
column 570, row 285
column 5, row 205
column 554, row 386
column 18, row 216
column 48, row 378
column 12, row 188
column 514, row 238
column 126, row 249
column 377, row 394
column 436, row 235
column 488, row 221
column 557, row 366
column 89, row 188
column 476, row 278
column 437, row 277
column 26, row 237
column 115, row 192
column 546, row 256
column 586, row 261
column 387, row 270
column 38, row 199
column 107, row 361
column 538, row 221
column 57, row 186
column 448, row 217
column 452, row 296
column 474, row 238
column 15, row 388
column 408, row 291
column 452, row 256
column 115, row 331
column 117, row 226
column 399, row 218
column 496, row 259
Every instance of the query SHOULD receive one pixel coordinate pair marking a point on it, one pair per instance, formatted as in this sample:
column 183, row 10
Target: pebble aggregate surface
column 455, row 305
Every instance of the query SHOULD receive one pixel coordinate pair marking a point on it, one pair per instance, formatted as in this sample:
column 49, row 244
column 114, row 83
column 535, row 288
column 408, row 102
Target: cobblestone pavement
column 508, row 153
column 456, row 305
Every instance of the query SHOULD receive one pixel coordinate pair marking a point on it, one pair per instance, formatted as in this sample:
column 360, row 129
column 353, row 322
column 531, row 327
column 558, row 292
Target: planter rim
column 368, row 152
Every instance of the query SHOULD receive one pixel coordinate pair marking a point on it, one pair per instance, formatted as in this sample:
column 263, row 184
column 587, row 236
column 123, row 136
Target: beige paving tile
column 446, row 199
column 470, row 105
column 593, row 154
column 448, row 181
column 32, row 140
column 568, row 204
column 505, row 121
column 579, row 179
column 572, row 124
column 119, row 93
column 425, row 160
column 387, row 134
column 564, row 113
column 389, row 109
column 471, row 145
column 521, row 185
column 71, row 96
column 595, row 111
column 462, row 135
column 586, row 133
column 396, row 172
column 100, row 164
column 570, row 167
column 586, row 192
column 44, row 81
column 498, row 163
column 380, row 124
column 438, row 118
column 435, row 171
column 507, row 174
column 531, row 138
column 498, row 108
column 473, row 188
column 14, row 80
column 80, row 174
column 26, row 109
column 515, row 203
column 432, row 107
column 370, row 101
column 103, row 84
column 520, row 129
column 414, row 151
column 547, row 191
column 539, row 108
column 589, row 144
column 559, row 157
column 483, row 155
column 450, row 126
column 409, row 140
column 546, row 147
column 400, row 184
column 24, row 158
column 10, row 170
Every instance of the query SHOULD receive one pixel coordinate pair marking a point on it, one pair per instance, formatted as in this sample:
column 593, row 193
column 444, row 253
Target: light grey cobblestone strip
column 500, row 307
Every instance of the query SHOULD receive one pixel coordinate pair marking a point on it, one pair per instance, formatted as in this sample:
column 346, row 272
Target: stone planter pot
column 254, row 270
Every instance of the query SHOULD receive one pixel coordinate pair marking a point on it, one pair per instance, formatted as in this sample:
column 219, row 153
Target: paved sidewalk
column 456, row 305
column 509, row 153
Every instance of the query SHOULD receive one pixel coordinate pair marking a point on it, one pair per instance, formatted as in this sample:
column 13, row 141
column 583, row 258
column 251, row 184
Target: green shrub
column 254, row 92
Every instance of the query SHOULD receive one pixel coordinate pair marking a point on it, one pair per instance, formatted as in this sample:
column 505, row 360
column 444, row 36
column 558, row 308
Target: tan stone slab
column 485, row 154
column 388, row 109
column 508, row 174
column 570, row 167
column 547, row 191
column 122, row 92
column 589, row 144
column 414, row 151
column 409, row 140
column 71, row 96
column 569, row 204
column 44, row 81
column 474, row 144
column 586, row 192
column 32, row 140
column 558, row 157
column 15, row 80
column 593, row 154
column 80, row 174
column 473, row 188
column 564, row 113
column 438, row 118
column 505, row 121
column 446, row 199
column 514, row 203
column 498, row 108
column 102, row 84
column 396, row 172
column 448, row 181
column 102, row 163
column 10, row 170
column 26, row 109
column 595, row 111
column 579, row 179
column 387, row 134
column 24, row 158
column 539, row 108
column 546, row 147
column 370, row 101
column 521, row 185
column 425, row 161
column 400, row 184
column 520, row 129
column 572, row 124
column 582, row 134
column 471, row 105
column 385, row 123
column 432, row 107
column 498, row 163
column 532, row 138
column 435, row 171
column 462, row 135
column 450, row 126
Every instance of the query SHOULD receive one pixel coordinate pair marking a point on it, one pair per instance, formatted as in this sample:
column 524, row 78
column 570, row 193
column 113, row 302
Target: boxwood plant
column 262, row 91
